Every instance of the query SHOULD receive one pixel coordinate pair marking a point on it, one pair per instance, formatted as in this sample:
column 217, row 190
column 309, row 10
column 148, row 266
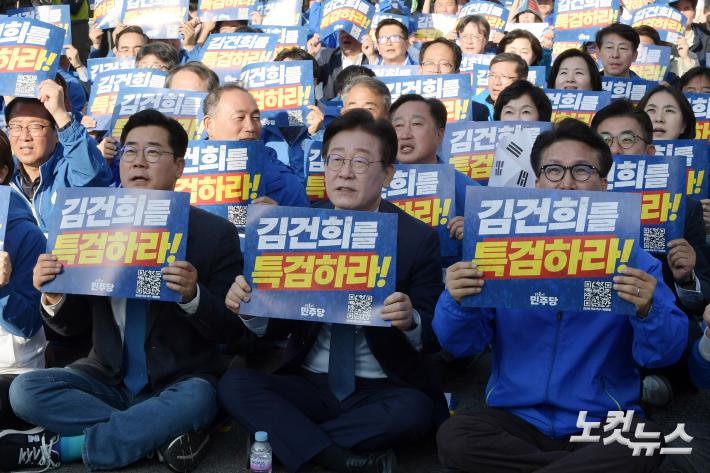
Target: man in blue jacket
column 51, row 149
column 548, row 366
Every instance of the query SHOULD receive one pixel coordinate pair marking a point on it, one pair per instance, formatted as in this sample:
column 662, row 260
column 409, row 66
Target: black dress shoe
column 384, row 462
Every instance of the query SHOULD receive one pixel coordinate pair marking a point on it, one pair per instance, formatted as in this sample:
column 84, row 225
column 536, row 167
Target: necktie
column 341, row 365
column 135, row 375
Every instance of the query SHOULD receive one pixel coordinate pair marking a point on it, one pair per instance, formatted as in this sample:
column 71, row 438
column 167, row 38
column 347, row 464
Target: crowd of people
column 109, row 381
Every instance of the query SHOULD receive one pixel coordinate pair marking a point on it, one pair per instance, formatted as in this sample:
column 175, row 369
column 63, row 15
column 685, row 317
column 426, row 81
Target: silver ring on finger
column 638, row 291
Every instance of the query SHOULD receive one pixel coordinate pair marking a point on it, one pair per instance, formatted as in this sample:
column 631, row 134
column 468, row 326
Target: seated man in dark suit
column 384, row 394
column 149, row 382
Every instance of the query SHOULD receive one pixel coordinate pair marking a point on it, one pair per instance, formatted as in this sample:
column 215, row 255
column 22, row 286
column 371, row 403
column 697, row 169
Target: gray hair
column 375, row 85
column 214, row 95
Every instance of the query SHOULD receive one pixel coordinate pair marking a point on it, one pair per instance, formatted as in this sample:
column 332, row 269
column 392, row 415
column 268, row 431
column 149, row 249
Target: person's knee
column 23, row 393
column 236, row 384
column 411, row 415
column 450, row 442
column 203, row 400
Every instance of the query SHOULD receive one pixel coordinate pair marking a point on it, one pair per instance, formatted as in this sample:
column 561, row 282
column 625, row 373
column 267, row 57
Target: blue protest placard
column 669, row 22
column 222, row 177
column 382, row 70
column 696, row 154
column 320, row 265
column 700, row 103
column 550, row 249
column 379, row 16
column 468, row 61
column 183, row 106
column 106, row 86
column 494, row 13
column 354, row 17
column 277, row 12
column 114, row 241
column 221, row 10
column 104, row 64
column 427, row 193
column 29, row 53
column 568, row 39
column 429, row 26
column 579, row 104
column 470, row 146
column 585, row 17
column 107, row 13
column 631, row 89
column 537, row 75
column 159, row 19
column 283, row 91
column 315, row 171
column 4, row 207
column 288, row 36
column 661, row 182
column 652, row 62
column 57, row 15
column 227, row 53
column 454, row 90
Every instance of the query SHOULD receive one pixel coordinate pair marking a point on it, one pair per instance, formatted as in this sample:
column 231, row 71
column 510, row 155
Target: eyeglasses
column 626, row 139
column 579, row 172
column 151, row 153
column 36, row 129
column 359, row 164
column 501, row 78
column 471, row 37
column 395, row 38
column 443, row 66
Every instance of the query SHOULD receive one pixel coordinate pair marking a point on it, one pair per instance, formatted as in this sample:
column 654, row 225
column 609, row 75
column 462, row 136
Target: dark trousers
column 494, row 440
column 8, row 419
column 303, row 418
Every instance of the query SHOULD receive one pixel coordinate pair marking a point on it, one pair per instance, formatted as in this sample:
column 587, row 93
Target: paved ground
column 228, row 449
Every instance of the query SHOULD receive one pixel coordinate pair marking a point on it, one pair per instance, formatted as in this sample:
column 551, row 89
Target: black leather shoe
column 383, row 462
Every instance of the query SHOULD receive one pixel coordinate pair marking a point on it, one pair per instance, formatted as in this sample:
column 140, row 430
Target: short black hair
column 437, row 109
column 623, row 108
column 685, row 108
column 299, row 54
column 692, row 74
column 6, row 157
column 131, row 29
column 572, row 130
column 649, row 31
column 625, row 31
column 359, row 119
column 162, row 51
column 518, row 89
column 203, row 72
column 391, row 21
column 595, row 76
column 478, row 20
column 177, row 136
column 349, row 73
column 511, row 36
column 458, row 55
column 521, row 67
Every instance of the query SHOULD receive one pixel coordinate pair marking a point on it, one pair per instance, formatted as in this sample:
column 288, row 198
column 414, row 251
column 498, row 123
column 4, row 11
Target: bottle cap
column 261, row 436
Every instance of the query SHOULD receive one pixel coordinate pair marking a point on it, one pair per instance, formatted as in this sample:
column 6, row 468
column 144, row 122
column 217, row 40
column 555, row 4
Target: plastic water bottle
column 260, row 455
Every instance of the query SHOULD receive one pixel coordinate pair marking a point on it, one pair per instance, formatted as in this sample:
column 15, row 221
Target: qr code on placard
column 148, row 282
column 26, row 85
column 359, row 308
column 295, row 117
column 654, row 239
column 237, row 214
column 597, row 295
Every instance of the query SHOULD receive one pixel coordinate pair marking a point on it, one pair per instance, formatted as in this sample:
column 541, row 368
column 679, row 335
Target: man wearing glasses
column 392, row 44
column 53, row 150
column 149, row 382
column 629, row 131
column 550, row 365
column 504, row 69
column 382, row 393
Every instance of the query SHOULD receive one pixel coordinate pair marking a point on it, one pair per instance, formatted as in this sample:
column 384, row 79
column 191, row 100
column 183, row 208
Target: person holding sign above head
column 52, row 150
column 549, row 365
column 231, row 113
column 629, row 131
column 345, row 391
column 618, row 48
column 148, row 383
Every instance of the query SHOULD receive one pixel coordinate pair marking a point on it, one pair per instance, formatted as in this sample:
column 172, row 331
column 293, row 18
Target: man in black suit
column 149, row 381
column 333, row 60
column 389, row 394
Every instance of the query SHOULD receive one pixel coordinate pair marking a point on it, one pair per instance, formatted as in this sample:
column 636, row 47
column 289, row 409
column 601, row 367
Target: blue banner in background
column 57, row 15
column 454, row 90
column 696, row 154
column 354, row 17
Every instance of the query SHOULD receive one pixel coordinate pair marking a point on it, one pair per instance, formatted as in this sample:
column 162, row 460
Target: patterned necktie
column 341, row 365
column 135, row 375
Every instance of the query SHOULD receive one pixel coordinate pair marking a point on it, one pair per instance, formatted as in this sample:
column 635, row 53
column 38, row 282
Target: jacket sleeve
column 73, row 317
column 86, row 166
column 462, row 331
column 698, row 366
column 21, row 314
column 281, row 183
column 659, row 338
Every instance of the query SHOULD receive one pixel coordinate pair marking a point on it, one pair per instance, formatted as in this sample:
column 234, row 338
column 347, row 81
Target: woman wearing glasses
column 671, row 114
